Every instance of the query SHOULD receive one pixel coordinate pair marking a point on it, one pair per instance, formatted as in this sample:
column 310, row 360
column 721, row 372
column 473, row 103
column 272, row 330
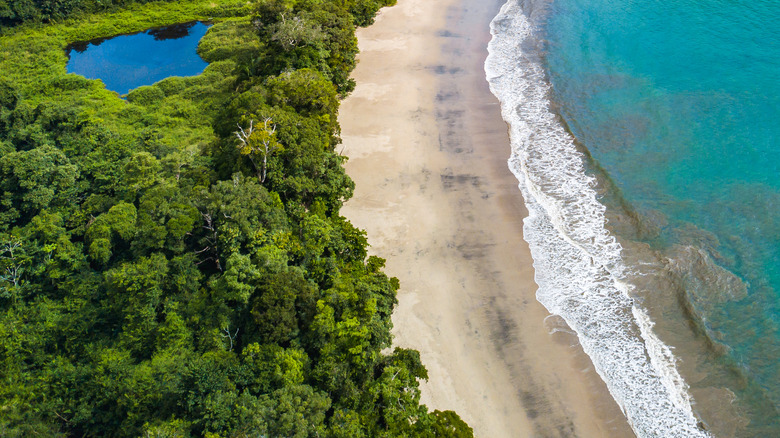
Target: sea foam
column 578, row 264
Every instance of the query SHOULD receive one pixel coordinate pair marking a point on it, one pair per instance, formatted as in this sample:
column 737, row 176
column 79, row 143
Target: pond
column 126, row 62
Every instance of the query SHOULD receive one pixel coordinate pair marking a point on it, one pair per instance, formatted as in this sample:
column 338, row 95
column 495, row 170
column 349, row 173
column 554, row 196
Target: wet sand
column 427, row 149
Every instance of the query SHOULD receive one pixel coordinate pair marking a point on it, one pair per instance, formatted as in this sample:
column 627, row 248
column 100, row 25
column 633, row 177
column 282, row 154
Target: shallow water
column 679, row 103
column 126, row 62
column 673, row 107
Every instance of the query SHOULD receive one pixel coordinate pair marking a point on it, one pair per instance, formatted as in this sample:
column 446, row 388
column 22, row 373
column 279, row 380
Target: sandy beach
column 427, row 149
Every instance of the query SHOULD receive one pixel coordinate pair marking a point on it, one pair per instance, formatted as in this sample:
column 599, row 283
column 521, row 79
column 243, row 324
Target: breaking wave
column 578, row 264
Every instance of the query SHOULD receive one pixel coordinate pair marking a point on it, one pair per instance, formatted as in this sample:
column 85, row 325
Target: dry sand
column 427, row 149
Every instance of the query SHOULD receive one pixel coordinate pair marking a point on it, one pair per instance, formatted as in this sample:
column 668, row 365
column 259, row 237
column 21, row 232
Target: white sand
column 427, row 149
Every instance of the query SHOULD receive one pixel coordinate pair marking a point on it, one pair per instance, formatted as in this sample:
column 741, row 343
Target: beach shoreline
column 428, row 152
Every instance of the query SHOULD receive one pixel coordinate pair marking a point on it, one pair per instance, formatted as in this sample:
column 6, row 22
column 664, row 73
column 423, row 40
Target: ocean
column 646, row 142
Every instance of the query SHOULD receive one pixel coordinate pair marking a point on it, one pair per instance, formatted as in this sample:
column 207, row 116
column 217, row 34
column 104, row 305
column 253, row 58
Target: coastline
column 427, row 149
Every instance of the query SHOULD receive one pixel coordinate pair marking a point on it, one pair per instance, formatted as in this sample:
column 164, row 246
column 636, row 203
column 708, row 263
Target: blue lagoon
column 126, row 62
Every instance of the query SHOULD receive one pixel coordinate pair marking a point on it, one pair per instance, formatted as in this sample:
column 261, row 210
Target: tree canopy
column 175, row 263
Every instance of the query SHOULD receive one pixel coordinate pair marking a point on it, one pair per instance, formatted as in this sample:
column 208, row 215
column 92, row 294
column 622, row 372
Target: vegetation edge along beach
column 175, row 264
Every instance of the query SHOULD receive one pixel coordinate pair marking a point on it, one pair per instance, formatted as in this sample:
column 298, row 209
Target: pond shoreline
column 80, row 46
column 128, row 61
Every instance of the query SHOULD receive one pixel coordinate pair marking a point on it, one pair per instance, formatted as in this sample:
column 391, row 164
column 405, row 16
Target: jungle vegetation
column 174, row 263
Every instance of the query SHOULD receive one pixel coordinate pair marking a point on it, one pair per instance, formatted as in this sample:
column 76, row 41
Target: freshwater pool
column 125, row 62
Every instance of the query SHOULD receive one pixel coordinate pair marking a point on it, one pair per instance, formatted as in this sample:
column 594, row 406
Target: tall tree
column 258, row 144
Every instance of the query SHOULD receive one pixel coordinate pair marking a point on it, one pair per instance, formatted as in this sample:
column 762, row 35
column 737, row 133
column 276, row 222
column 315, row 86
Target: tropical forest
column 173, row 262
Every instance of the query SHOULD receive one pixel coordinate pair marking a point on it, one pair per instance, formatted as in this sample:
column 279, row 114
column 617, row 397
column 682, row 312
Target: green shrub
column 146, row 96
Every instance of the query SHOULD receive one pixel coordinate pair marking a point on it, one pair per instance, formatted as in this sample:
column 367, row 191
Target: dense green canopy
column 175, row 264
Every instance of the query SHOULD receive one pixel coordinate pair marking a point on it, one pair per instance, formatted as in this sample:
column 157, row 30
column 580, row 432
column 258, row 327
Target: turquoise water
column 678, row 104
column 126, row 62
